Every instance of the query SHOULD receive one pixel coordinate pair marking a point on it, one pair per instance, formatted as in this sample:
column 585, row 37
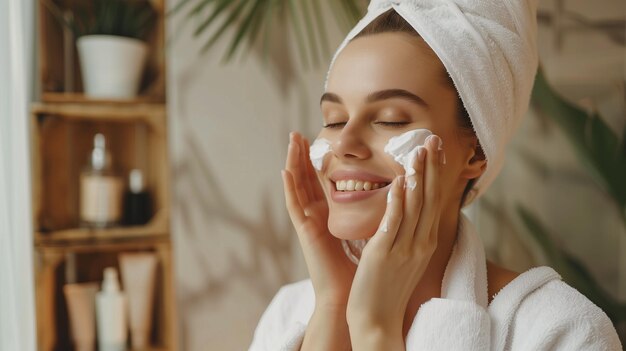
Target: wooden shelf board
column 104, row 245
column 89, row 234
column 104, row 111
column 53, row 97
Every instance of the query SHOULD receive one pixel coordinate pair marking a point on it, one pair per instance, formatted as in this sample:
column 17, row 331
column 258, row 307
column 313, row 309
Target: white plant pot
column 111, row 66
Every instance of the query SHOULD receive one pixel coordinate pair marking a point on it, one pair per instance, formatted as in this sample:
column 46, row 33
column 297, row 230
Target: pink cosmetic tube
column 138, row 276
column 81, row 310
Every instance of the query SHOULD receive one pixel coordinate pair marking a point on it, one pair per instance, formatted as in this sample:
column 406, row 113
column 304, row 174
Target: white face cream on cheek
column 317, row 151
column 404, row 148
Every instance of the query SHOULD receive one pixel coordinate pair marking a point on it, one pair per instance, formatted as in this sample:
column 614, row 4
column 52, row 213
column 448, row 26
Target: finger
column 413, row 203
column 304, row 161
column 294, row 207
column 294, row 166
column 318, row 192
column 431, row 193
column 432, row 237
column 388, row 228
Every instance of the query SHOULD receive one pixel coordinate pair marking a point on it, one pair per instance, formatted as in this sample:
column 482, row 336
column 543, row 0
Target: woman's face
column 381, row 86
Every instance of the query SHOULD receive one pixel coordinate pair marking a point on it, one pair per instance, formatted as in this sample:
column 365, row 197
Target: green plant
column 251, row 18
column 571, row 269
column 124, row 18
column 603, row 153
column 597, row 146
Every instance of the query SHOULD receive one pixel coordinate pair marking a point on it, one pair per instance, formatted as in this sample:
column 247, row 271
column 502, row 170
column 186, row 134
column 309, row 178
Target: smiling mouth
column 353, row 185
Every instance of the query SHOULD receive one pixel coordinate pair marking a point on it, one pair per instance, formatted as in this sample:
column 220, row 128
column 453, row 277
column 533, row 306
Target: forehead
column 386, row 61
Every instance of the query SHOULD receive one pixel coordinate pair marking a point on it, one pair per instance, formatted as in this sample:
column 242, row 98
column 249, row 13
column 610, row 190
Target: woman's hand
column 394, row 260
column 330, row 270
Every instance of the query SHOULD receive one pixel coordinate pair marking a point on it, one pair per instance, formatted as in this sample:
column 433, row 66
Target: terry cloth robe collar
column 535, row 311
column 464, row 288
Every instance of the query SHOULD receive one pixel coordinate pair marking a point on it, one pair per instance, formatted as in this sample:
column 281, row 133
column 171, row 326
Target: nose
column 351, row 143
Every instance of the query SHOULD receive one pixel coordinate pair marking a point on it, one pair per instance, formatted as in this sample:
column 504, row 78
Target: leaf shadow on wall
column 268, row 252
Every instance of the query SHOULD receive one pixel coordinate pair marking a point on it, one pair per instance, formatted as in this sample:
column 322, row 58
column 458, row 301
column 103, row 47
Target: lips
column 353, row 185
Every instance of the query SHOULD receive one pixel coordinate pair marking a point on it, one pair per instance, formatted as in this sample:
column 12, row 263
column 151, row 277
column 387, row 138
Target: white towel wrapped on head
column 489, row 49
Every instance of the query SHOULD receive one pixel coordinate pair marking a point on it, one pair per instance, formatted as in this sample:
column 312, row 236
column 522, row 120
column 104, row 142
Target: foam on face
column 404, row 149
column 317, row 151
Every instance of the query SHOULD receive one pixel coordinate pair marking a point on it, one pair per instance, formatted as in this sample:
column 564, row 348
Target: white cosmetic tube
column 81, row 300
column 138, row 275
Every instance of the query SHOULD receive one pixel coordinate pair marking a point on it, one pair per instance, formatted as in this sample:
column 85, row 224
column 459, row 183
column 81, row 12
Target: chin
column 353, row 227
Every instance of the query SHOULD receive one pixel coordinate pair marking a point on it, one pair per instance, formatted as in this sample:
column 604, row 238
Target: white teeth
column 357, row 185
column 341, row 185
column 350, row 185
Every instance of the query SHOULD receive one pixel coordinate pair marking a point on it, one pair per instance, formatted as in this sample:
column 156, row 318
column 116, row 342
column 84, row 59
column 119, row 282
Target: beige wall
column 229, row 130
column 229, row 127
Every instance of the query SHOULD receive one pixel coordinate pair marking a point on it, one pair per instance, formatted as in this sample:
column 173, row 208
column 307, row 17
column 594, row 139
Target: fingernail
column 436, row 140
column 428, row 139
column 389, row 196
column 421, row 153
column 444, row 157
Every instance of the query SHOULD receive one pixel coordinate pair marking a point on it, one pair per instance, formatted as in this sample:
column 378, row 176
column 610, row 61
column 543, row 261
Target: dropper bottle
column 101, row 189
column 137, row 201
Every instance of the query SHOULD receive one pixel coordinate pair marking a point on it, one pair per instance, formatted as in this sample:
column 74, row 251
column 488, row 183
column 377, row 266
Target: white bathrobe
column 536, row 311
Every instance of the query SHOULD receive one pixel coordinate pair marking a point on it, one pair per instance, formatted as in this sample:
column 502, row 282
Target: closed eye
column 392, row 124
column 334, row 125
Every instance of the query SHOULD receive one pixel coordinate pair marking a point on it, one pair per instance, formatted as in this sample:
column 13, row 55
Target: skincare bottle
column 137, row 202
column 100, row 189
column 111, row 314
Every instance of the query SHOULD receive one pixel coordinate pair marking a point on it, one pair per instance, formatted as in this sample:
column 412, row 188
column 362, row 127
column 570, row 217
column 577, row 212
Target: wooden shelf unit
column 63, row 125
column 52, row 263
column 61, row 140
column 59, row 68
column 61, row 137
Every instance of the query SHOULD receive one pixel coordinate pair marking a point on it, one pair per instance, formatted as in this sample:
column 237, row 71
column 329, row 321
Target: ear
column 475, row 162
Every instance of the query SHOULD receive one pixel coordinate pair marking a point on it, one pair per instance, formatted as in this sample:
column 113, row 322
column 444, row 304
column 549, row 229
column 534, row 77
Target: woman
column 422, row 281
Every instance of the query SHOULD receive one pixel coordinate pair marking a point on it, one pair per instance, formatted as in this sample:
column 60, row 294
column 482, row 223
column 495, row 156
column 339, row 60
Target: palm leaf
column 248, row 17
column 244, row 28
column 596, row 144
column 174, row 10
column 298, row 30
column 268, row 17
column 310, row 31
column 570, row 268
column 323, row 35
column 230, row 20
column 219, row 8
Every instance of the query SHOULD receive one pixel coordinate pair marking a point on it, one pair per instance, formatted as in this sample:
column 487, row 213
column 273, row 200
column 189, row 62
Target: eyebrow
column 380, row 95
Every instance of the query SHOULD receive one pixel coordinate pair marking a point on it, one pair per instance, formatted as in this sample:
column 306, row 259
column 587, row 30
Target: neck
column 430, row 285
